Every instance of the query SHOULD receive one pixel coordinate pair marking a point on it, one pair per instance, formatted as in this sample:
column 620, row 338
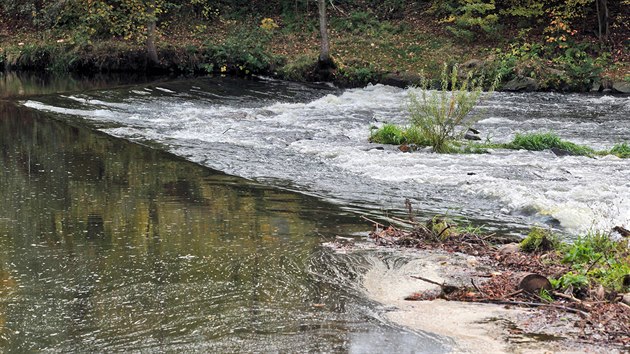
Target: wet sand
column 473, row 327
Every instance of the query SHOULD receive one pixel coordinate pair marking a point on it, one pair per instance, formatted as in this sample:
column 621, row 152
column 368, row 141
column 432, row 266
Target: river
column 314, row 139
column 189, row 215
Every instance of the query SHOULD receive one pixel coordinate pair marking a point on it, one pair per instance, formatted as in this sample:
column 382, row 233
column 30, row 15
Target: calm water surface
column 107, row 245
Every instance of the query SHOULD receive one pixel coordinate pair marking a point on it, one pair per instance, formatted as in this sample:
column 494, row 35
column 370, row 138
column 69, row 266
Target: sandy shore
column 473, row 327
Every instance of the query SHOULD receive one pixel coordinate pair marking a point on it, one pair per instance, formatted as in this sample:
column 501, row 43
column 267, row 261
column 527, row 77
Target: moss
column 539, row 240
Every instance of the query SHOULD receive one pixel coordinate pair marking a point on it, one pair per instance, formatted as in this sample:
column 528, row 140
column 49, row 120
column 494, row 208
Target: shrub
column 357, row 75
column 443, row 116
column 472, row 17
column 243, row 52
column 300, row 69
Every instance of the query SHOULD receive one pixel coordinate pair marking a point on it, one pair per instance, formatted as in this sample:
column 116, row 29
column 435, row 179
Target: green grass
column 395, row 135
column 598, row 258
column 621, row 150
column 546, row 141
column 392, row 134
column 594, row 258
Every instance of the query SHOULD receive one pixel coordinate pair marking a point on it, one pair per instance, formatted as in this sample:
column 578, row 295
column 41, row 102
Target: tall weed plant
column 445, row 116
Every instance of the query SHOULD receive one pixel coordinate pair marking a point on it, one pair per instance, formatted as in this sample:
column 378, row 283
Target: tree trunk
column 324, row 56
column 602, row 19
column 151, row 50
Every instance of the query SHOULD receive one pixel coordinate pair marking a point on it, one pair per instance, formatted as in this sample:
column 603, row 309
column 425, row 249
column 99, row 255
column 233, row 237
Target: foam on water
column 320, row 146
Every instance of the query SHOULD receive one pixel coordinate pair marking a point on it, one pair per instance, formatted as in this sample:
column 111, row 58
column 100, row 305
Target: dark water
column 107, row 245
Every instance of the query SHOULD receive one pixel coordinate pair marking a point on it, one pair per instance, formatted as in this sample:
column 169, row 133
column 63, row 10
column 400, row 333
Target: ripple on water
column 316, row 140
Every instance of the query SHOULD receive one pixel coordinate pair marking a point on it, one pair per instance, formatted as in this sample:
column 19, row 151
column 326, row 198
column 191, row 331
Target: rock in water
column 470, row 136
column 526, row 84
column 622, row 231
column 561, row 152
column 621, row 86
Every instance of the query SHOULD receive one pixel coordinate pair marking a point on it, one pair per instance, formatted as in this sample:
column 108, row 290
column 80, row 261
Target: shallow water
column 313, row 139
column 107, row 245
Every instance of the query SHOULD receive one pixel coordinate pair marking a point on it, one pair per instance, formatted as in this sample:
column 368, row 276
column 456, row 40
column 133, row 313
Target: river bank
column 473, row 327
column 553, row 296
column 397, row 52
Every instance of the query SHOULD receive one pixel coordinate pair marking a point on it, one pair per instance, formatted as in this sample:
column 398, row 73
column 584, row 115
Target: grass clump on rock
column 621, row 150
column 396, row 135
column 547, row 141
column 441, row 118
column 539, row 240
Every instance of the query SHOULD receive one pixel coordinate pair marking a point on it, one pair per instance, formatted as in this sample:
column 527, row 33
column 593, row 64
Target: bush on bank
column 371, row 41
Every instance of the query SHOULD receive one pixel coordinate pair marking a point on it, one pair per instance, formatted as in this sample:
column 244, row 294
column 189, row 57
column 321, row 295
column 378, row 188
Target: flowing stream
column 190, row 215
column 314, row 139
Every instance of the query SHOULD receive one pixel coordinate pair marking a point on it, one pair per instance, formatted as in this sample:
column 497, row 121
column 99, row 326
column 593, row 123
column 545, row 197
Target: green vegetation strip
column 594, row 259
column 395, row 135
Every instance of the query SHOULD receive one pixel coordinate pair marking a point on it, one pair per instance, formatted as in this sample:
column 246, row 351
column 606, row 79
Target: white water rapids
column 315, row 140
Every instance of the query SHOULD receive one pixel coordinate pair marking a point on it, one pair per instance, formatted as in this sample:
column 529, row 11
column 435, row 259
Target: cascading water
column 314, row 139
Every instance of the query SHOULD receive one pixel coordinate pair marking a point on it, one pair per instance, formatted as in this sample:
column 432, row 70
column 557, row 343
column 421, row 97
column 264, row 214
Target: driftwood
column 534, row 304
column 622, row 231
column 446, row 289
column 372, row 221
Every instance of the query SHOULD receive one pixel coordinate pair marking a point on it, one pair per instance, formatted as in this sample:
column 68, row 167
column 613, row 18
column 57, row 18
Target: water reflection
column 20, row 84
column 106, row 245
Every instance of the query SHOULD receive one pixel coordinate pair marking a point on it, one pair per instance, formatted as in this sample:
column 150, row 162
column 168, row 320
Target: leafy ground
column 364, row 48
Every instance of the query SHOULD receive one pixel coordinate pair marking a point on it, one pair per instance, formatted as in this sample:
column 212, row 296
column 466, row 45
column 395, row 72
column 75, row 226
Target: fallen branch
column 512, row 294
column 372, row 221
column 446, row 289
column 404, row 222
column 534, row 304
column 568, row 297
column 472, row 281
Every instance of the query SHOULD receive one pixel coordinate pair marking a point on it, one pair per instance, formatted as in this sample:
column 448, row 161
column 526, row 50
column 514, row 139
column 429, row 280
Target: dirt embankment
column 493, row 298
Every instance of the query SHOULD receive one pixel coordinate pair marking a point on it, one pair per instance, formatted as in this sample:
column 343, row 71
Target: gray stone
column 402, row 80
column 621, row 86
column 561, row 152
column 597, row 86
column 519, row 84
column 471, row 136
column 552, row 71
column 473, row 64
column 509, row 248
